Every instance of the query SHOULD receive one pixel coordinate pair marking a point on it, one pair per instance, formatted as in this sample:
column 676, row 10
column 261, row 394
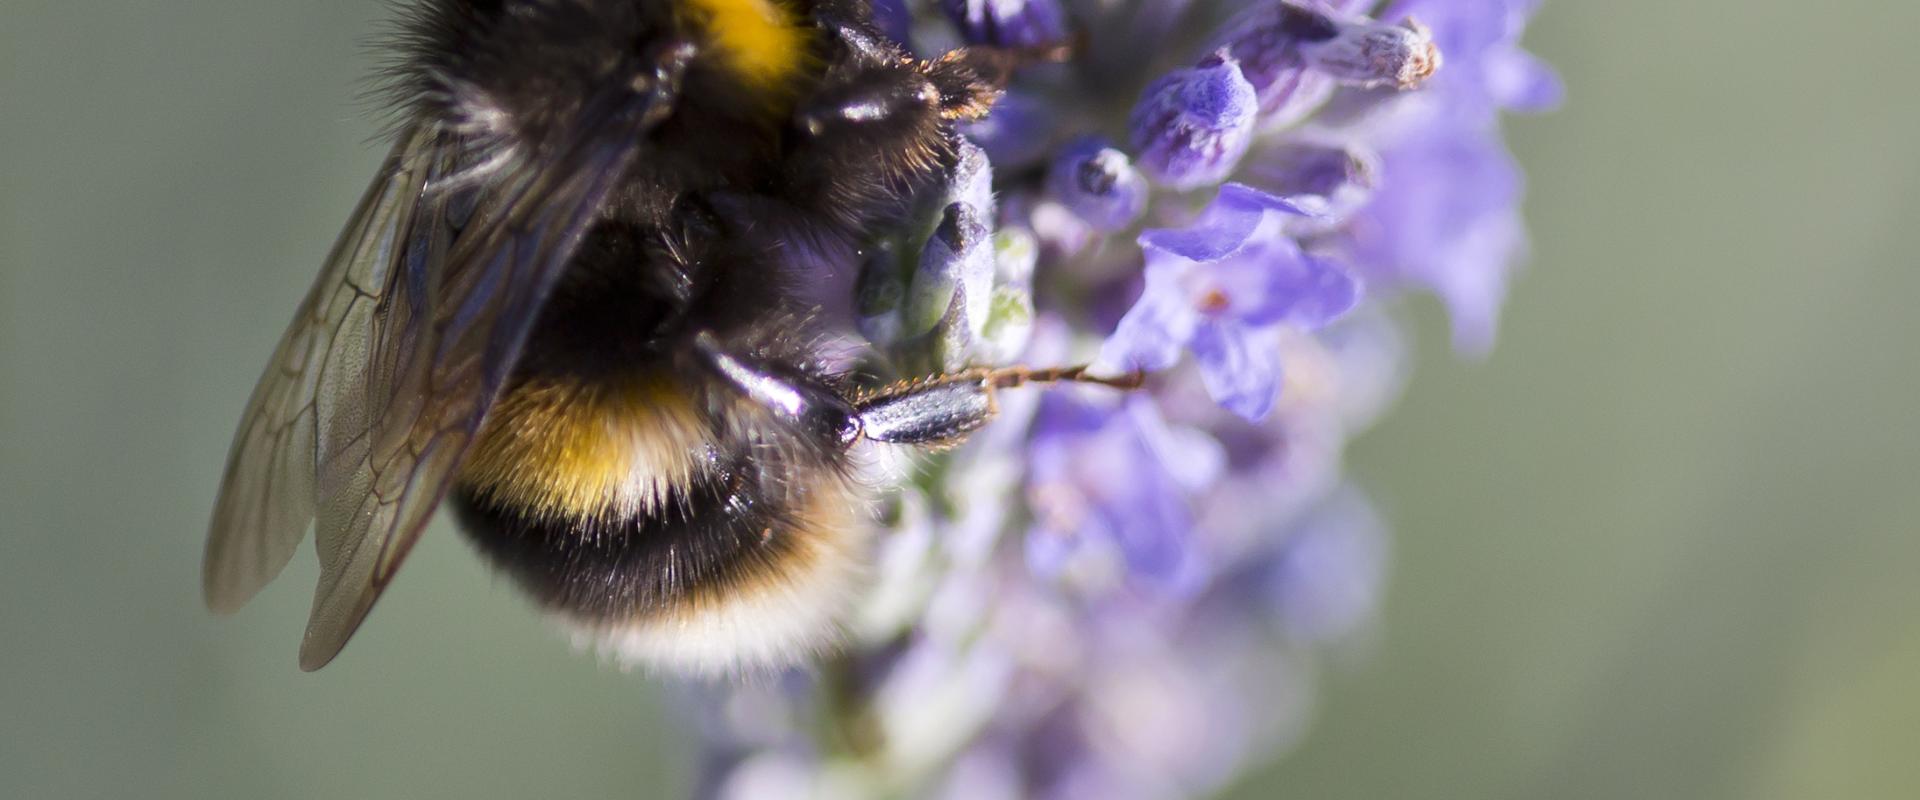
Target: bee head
column 878, row 126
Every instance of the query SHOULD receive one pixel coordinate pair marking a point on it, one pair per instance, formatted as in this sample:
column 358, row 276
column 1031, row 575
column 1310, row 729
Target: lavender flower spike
column 1192, row 126
column 1125, row 596
column 1107, row 485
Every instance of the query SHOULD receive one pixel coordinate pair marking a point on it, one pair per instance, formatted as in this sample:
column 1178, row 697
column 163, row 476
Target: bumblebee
column 569, row 306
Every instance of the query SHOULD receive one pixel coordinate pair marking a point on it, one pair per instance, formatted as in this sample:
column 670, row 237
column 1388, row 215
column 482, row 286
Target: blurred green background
column 1661, row 544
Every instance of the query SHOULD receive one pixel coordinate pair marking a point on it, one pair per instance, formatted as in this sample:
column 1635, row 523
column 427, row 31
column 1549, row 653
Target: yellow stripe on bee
column 763, row 41
column 567, row 450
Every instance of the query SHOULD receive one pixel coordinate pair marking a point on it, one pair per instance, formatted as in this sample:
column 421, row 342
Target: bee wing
column 267, row 494
column 398, row 352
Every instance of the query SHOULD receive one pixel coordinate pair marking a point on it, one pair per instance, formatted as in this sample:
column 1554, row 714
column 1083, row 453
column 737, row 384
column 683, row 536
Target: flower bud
column 1099, row 184
column 1266, row 40
column 972, row 181
column 1372, row 54
column 1329, row 180
column 1192, row 126
column 955, row 276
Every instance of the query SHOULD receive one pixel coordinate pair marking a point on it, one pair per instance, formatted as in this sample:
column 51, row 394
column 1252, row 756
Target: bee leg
column 942, row 410
column 932, row 412
column 801, row 399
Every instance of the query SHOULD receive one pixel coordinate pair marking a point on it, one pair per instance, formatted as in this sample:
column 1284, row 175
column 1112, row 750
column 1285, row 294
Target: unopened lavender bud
column 1008, row 23
column 1330, row 180
column 1296, row 169
column 972, row 181
column 1266, row 40
column 1371, row 54
column 1100, row 184
column 955, row 271
column 1192, row 126
column 953, row 340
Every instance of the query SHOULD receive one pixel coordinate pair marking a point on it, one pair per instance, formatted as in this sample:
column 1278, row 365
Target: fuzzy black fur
column 829, row 159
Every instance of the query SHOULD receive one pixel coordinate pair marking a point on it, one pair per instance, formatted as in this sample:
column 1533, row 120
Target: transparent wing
column 396, row 357
column 267, row 495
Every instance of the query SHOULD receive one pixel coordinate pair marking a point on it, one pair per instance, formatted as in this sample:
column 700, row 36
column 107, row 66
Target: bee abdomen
column 749, row 564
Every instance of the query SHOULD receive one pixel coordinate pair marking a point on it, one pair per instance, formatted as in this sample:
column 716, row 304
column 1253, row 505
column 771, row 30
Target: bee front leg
column 801, row 400
column 931, row 412
column 941, row 411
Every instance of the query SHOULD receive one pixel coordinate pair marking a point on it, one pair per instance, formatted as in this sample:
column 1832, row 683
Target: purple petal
column 1192, row 458
column 1320, row 292
column 1105, row 487
column 1524, row 83
column 1152, row 333
column 1242, row 196
column 1272, row 281
column 1227, row 224
column 1240, row 366
column 1447, row 220
column 1153, row 532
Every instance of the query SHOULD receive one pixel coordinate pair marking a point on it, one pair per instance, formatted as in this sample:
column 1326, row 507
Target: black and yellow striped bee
column 567, row 304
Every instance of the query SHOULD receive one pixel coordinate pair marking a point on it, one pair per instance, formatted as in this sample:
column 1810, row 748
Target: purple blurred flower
column 1220, row 288
column 1447, row 219
column 1018, row 132
column 1447, row 215
column 1192, row 126
column 1486, row 68
column 1325, row 581
column 1102, row 483
column 894, row 19
column 1008, row 23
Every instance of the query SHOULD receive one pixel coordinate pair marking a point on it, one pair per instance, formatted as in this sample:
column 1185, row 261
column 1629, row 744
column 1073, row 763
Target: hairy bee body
column 634, row 493
column 574, row 304
column 641, row 497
